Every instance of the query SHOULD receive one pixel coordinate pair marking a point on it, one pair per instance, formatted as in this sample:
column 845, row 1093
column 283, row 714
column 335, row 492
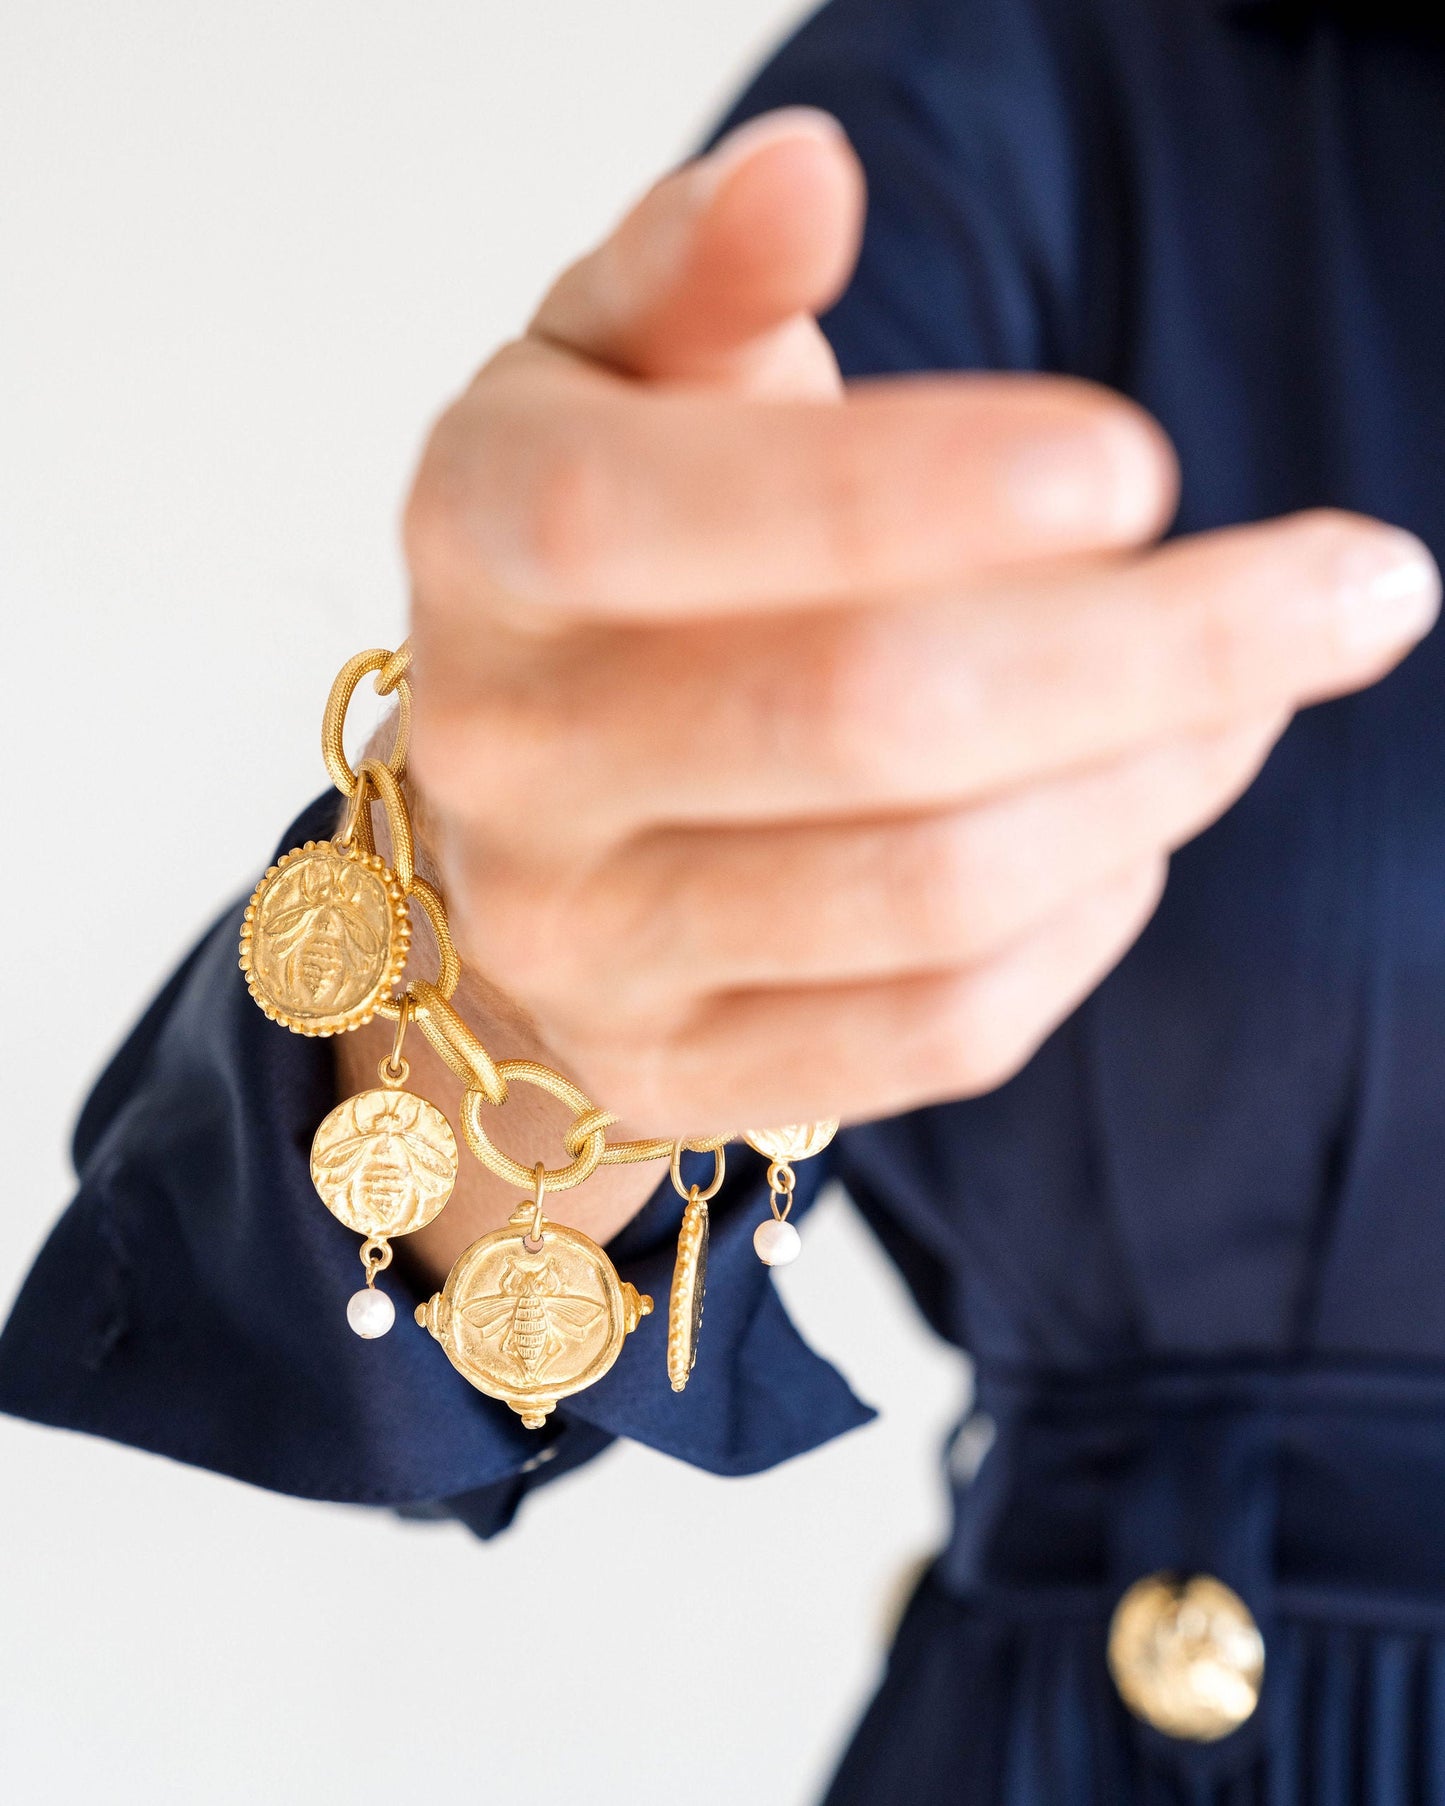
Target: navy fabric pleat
column 1356, row 1717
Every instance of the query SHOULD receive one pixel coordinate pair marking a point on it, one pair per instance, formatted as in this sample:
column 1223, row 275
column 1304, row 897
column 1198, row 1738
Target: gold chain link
column 486, row 1081
column 389, row 668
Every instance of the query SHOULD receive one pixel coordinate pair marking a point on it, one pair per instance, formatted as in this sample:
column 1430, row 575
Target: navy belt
column 1313, row 1489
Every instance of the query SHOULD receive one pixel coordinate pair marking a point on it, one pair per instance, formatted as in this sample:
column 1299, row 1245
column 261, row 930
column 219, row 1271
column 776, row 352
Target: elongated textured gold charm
column 384, row 1162
column 531, row 1318
column 689, row 1283
column 325, row 938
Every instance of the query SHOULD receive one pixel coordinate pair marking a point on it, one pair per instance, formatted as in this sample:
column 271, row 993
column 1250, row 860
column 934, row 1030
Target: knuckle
column 850, row 729
column 561, row 537
column 497, row 753
column 929, row 898
column 437, row 518
column 628, row 943
column 1312, row 550
column 847, row 506
column 516, row 491
column 956, row 895
column 940, row 1040
column 1326, row 527
column 1223, row 652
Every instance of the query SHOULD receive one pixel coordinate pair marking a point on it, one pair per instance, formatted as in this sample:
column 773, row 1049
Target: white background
column 245, row 252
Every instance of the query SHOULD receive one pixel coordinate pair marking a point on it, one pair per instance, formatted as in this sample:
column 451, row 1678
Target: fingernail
column 746, row 140
column 1389, row 591
column 1105, row 481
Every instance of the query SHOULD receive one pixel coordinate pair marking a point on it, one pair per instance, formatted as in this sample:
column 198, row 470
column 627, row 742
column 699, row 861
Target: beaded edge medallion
column 325, row 938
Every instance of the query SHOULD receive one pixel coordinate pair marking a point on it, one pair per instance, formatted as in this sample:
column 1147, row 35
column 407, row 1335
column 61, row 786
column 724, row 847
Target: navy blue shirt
column 1196, row 1248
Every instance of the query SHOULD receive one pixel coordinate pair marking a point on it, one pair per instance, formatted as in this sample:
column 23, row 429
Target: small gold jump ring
column 375, row 1257
column 532, row 1241
column 394, row 1070
column 719, row 1169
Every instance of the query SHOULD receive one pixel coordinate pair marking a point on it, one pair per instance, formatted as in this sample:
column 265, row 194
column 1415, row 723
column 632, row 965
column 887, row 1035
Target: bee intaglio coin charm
column 794, row 1141
column 384, row 1162
column 325, row 938
column 531, row 1318
column 689, row 1281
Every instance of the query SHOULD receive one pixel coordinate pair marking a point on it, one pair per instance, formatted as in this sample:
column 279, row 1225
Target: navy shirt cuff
column 191, row 1300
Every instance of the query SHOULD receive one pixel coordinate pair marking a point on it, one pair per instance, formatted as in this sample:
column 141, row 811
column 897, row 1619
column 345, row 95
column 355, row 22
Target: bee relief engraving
column 384, row 1162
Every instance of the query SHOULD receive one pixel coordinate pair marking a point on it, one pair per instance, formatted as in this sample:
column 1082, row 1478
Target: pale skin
column 787, row 752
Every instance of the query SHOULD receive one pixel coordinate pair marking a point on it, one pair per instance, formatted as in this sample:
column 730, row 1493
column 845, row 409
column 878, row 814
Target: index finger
column 562, row 485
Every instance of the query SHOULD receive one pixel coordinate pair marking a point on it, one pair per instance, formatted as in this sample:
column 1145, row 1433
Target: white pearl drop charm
column 777, row 1243
column 370, row 1313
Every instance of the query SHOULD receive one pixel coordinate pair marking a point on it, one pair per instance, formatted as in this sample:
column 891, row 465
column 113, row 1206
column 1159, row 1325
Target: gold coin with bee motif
column 325, row 938
column 530, row 1320
column 794, row 1141
column 384, row 1162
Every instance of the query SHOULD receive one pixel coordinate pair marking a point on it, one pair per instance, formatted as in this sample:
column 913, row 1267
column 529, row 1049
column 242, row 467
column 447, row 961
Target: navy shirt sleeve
column 191, row 1301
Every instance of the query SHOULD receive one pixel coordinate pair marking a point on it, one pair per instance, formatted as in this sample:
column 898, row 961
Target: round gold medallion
column 532, row 1320
column 794, row 1141
column 384, row 1162
column 1186, row 1656
column 325, row 938
column 689, row 1281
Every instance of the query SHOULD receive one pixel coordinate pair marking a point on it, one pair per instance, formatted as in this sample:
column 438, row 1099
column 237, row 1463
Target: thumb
column 715, row 274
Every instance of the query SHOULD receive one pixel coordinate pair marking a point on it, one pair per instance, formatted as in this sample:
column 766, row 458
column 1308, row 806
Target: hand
column 788, row 752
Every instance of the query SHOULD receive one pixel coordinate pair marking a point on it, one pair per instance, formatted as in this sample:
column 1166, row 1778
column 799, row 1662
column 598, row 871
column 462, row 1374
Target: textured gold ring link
column 380, row 778
column 577, row 1137
column 629, row 1153
column 455, row 1042
column 333, row 720
column 449, row 966
column 530, row 1072
column 395, row 668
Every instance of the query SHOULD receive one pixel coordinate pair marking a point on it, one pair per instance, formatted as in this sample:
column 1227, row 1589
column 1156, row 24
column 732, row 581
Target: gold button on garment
column 1186, row 1656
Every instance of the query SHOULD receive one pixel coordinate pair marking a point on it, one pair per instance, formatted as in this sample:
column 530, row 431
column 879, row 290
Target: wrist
column 530, row 1125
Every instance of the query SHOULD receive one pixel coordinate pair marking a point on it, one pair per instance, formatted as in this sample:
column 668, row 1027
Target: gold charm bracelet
column 535, row 1311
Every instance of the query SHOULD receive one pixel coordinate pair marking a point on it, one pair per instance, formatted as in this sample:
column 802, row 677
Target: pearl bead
column 370, row 1313
column 777, row 1244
